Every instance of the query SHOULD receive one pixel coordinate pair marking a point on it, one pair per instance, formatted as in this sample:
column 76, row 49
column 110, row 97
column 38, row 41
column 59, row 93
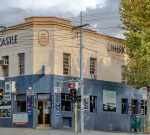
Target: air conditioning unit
column 1, row 62
column 93, row 76
column 10, row 87
column 5, row 62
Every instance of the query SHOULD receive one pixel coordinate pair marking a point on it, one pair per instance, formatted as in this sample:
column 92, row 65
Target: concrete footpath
column 27, row 131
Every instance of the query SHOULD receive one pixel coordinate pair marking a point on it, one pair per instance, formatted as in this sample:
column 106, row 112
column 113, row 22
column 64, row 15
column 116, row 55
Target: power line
column 95, row 13
column 77, row 47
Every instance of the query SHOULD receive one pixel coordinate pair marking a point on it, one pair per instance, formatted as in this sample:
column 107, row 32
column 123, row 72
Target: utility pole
column 81, row 74
column 81, row 70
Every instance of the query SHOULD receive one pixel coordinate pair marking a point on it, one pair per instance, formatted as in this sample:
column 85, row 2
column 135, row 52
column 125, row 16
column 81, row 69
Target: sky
column 101, row 15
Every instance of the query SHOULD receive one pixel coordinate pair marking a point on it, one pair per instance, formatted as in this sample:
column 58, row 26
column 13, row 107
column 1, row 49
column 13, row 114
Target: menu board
column 20, row 119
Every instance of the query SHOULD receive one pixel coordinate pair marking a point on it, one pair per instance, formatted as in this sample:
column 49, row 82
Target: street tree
column 135, row 16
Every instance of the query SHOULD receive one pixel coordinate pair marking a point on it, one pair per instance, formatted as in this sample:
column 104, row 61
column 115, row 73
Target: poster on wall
column 58, row 106
column 20, row 119
column 109, row 100
column 5, row 104
column 85, row 102
column 47, row 107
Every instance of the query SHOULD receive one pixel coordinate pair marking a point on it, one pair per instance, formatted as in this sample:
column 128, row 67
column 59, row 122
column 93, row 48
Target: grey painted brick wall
column 101, row 120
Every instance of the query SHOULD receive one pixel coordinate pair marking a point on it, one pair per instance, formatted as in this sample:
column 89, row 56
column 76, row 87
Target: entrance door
column 43, row 113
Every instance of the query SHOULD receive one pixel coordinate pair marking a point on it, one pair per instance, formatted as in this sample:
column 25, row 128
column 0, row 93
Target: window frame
column 20, row 64
column 5, row 67
column 126, row 105
column 19, row 105
column 69, row 100
column 95, row 66
column 143, row 106
column 135, row 105
column 123, row 79
column 68, row 65
column 94, row 110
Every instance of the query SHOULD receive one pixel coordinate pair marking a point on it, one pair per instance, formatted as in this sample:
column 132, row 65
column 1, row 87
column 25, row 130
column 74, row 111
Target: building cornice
column 54, row 22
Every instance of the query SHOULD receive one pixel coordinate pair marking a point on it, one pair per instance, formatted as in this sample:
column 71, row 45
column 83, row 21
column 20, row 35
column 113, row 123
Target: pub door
column 43, row 111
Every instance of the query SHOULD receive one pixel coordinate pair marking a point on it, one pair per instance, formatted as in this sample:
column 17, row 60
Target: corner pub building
column 38, row 59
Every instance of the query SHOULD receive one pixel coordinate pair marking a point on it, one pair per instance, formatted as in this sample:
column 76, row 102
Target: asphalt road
column 26, row 131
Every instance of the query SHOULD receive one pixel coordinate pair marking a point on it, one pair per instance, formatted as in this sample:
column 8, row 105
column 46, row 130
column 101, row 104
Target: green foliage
column 135, row 16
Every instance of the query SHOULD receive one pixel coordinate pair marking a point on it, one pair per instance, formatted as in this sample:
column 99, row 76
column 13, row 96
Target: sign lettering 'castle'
column 8, row 40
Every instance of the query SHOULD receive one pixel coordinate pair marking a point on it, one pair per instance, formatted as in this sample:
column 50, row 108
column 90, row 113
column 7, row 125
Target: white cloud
column 61, row 5
column 14, row 11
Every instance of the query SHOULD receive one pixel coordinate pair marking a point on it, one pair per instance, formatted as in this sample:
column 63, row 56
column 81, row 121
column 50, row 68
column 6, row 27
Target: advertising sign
column 57, row 90
column 5, row 111
column 47, row 107
column 5, row 104
column 109, row 100
column 73, row 85
column 8, row 40
column 29, row 108
column 20, row 119
column 80, row 83
column 7, row 97
column 29, row 92
column 58, row 107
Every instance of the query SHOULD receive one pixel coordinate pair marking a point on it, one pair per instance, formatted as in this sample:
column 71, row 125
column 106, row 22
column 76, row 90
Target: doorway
column 43, row 111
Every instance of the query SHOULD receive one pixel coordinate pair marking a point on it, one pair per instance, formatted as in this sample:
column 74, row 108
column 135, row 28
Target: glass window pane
column 92, row 65
column 21, row 63
column 66, row 64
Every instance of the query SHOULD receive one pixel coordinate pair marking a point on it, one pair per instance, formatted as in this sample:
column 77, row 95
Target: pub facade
column 41, row 56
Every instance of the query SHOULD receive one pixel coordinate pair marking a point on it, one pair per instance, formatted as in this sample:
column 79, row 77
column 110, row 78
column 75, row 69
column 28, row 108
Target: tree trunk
column 148, row 111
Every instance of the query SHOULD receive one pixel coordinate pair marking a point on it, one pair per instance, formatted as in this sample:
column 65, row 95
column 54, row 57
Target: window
column 122, row 74
column 93, row 103
column 93, row 66
column 5, row 66
column 124, row 106
column 67, row 122
column 134, row 106
column 21, row 102
column 21, row 106
column 21, row 63
column 66, row 64
column 66, row 102
column 143, row 107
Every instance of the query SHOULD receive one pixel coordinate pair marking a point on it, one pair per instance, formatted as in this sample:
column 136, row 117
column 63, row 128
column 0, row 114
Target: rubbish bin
column 138, row 123
column 135, row 123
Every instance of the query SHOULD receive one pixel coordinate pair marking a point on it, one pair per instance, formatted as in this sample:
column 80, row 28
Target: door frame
column 45, row 125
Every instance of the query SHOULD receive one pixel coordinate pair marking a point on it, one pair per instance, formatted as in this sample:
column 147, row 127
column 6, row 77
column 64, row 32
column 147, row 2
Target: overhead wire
column 66, row 38
column 95, row 14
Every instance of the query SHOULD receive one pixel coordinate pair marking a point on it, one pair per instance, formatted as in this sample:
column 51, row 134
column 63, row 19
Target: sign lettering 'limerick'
column 8, row 40
column 117, row 48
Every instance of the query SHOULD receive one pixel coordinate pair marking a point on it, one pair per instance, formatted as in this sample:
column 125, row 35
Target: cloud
column 63, row 5
column 14, row 11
